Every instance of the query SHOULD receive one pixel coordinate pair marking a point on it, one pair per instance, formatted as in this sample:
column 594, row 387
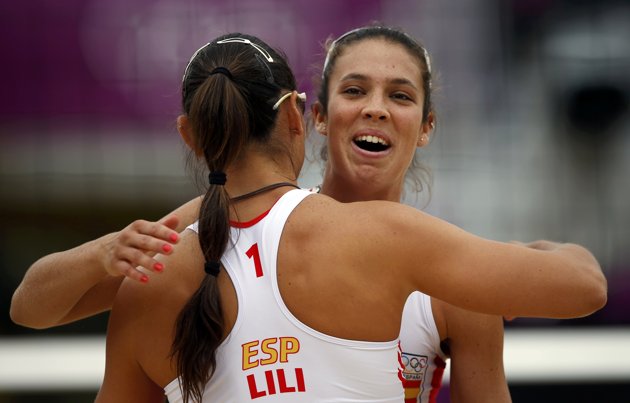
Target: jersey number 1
column 253, row 253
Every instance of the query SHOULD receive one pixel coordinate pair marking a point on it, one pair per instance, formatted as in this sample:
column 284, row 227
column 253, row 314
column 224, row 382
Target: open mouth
column 371, row 143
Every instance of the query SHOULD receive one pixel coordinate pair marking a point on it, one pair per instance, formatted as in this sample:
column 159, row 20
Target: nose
column 375, row 109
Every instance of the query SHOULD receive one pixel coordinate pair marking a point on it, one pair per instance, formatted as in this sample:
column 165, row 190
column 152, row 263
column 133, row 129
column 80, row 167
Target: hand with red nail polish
column 136, row 245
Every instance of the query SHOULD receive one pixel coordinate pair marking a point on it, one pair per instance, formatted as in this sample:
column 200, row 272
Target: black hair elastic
column 222, row 70
column 217, row 178
column 212, row 268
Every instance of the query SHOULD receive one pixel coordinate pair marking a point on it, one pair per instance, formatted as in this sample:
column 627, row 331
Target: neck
column 254, row 172
column 347, row 191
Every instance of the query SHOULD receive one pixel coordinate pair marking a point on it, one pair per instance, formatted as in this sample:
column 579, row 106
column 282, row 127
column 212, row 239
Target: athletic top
column 269, row 354
column 421, row 352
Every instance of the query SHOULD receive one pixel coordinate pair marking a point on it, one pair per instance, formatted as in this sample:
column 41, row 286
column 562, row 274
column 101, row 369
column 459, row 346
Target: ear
column 295, row 117
column 426, row 130
column 184, row 129
column 320, row 119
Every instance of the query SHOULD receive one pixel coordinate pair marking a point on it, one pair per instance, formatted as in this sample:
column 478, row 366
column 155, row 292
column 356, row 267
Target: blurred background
column 533, row 141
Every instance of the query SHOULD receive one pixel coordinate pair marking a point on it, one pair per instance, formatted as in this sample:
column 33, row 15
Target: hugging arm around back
column 544, row 279
column 70, row 285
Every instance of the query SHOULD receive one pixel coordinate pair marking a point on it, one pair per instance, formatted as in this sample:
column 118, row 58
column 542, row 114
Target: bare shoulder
column 324, row 212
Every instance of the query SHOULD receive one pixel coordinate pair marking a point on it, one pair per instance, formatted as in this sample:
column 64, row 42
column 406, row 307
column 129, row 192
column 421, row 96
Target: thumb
column 171, row 221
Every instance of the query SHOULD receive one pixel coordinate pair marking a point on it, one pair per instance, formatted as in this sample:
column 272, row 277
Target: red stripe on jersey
column 246, row 224
column 436, row 381
column 401, row 366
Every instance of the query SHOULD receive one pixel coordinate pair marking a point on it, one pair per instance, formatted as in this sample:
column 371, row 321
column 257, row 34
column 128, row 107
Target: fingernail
column 173, row 237
column 158, row 266
column 144, row 279
column 167, row 248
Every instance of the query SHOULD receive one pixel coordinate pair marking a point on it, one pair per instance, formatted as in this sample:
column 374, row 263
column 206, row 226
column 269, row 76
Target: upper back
column 269, row 350
column 330, row 281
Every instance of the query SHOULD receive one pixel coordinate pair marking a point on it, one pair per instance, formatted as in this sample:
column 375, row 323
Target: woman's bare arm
column 66, row 286
column 476, row 348
column 541, row 279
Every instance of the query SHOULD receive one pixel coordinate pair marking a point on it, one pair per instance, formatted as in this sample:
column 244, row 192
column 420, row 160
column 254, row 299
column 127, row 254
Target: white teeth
column 372, row 139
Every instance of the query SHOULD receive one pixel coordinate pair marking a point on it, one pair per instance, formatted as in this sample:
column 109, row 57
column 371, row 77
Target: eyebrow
column 363, row 77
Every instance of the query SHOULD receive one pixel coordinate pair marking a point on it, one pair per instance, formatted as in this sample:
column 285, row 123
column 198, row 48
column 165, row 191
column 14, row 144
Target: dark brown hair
column 228, row 90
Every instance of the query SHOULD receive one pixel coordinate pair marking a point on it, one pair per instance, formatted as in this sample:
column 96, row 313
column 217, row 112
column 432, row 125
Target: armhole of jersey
column 273, row 238
column 435, row 339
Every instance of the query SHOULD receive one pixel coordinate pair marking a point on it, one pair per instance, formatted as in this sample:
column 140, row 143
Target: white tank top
column 422, row 356
column 270, row 354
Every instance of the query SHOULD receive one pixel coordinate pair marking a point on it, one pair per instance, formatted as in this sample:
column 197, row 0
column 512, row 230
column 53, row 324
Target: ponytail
column 226, row 94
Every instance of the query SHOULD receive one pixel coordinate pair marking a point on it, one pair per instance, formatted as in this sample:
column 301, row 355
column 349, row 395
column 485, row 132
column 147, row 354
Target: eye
column 352, row 91
column 402, row 96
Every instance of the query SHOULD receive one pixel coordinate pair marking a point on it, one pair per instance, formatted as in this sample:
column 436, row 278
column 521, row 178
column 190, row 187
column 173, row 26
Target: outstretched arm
column 67, row 286
column 541, row 279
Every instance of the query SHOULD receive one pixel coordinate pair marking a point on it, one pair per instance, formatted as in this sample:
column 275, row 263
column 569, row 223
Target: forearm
column 80, row 282
column 593, row 295
column 54, row 284
column 476, row 347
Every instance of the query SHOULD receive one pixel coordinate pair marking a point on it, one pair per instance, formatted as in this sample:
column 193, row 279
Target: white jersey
column 421, row 353
column 269, row 354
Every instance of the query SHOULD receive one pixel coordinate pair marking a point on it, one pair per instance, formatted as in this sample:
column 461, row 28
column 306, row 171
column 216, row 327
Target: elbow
column 16, row 314
column 599, row 294
column 25, row 321
column 20, row 316
column 595, row 294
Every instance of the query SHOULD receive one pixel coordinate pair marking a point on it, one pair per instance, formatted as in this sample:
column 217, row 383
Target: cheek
column 409, row 124
column 342, row 112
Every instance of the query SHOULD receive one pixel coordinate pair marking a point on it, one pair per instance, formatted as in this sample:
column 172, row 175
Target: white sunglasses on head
column 301, row 95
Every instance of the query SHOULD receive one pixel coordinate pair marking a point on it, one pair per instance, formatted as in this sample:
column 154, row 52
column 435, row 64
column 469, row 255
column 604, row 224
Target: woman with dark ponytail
column 283, row 295
column 226, row 109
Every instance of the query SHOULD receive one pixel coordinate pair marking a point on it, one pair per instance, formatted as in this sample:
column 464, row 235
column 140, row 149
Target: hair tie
column 222, row 70
column 217, row 178
column 212, row 268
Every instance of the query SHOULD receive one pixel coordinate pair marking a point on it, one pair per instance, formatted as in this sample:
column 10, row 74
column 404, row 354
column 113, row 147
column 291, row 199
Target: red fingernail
column 144, row 279
column 167, row 248
column 158, row 266
column 173, row 237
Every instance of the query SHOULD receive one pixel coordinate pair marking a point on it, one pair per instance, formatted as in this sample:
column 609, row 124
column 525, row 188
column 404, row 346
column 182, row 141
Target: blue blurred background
column 533, row 136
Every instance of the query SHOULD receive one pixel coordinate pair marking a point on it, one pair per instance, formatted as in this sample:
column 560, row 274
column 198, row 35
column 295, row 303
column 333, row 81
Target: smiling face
column 374, row 120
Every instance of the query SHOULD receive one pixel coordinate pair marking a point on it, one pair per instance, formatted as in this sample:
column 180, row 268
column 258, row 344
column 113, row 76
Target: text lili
column 279, row 380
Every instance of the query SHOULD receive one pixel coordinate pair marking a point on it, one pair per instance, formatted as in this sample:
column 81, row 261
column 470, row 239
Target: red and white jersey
column 422, row 356
column 270, row 355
